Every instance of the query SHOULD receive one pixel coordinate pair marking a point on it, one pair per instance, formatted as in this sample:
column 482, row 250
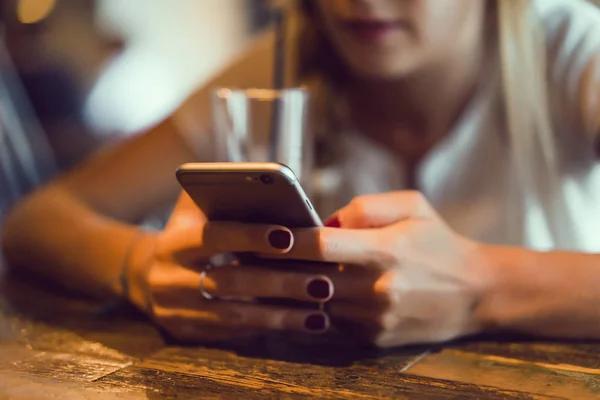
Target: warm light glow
column 32, row 11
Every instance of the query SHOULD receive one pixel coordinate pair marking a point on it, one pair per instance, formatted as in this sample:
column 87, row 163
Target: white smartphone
column 250, row 192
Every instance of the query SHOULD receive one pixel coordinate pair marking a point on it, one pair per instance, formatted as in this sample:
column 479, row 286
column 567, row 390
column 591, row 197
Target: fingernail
column 319, row 289
column 333, row 222
column 280, row 239
column 315, row 322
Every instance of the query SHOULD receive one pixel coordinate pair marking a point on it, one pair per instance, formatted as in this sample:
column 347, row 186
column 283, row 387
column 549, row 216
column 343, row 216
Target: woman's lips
column 372, row 31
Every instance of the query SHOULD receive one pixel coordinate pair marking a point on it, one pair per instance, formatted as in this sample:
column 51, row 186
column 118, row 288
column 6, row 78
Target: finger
column 364, row 314
column 379, row 326
column 346, row 246
column 348, row 282
column 352, row 283
column 355, row 285
column 362, row 323
column 185, row 213
column 224, row 314
column 244, row 281
column 378, row 210
column 237, row 237
column 197, row 240
column 183, row 287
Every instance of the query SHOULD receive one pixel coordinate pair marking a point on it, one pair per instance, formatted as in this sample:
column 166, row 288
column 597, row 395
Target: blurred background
column 75, row 74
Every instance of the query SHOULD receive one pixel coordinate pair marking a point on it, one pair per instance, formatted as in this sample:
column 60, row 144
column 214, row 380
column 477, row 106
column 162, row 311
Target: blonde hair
column 524, row 77
column 523, row 63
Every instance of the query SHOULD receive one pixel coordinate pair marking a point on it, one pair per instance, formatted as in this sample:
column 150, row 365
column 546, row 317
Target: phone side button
column 308, row 204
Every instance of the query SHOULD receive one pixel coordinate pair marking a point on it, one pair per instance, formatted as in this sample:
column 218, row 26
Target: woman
column 492, row 109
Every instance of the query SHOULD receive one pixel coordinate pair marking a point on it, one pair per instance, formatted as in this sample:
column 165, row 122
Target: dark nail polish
column 319, row 289
column 315, row 322
column 333, row 222
column 280, row 239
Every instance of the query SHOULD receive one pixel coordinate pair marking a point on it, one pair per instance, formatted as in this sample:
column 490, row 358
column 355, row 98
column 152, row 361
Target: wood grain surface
column 54, row 345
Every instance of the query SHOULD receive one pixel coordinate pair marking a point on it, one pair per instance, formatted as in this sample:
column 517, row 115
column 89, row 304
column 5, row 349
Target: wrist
column 482, row 270
column 136, row 268
column 541, row 293
column 517, row 289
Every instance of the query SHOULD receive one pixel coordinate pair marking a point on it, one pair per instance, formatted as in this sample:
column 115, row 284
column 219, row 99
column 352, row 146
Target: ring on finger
column 324, row 307
column 202, row 288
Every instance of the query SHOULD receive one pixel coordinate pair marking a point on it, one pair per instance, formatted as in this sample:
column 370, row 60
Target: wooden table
column 56, row 346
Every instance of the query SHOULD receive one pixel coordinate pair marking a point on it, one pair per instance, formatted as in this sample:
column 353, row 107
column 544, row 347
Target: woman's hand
column 165, row 275
column 405, row 276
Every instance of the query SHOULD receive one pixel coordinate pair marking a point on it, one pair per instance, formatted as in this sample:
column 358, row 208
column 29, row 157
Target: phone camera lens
column 266, row 179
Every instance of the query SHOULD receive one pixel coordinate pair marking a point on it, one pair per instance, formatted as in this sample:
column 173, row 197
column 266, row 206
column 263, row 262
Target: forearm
column 74, row 230
column 554, row 294
column 55, row 235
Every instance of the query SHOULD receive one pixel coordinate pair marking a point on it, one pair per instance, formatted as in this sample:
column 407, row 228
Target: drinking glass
column 264, row 125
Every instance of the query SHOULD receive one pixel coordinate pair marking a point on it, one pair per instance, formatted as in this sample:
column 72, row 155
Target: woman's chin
column 378, row 70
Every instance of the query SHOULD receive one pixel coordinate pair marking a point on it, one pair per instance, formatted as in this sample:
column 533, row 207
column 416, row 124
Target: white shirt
column 467, row 176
